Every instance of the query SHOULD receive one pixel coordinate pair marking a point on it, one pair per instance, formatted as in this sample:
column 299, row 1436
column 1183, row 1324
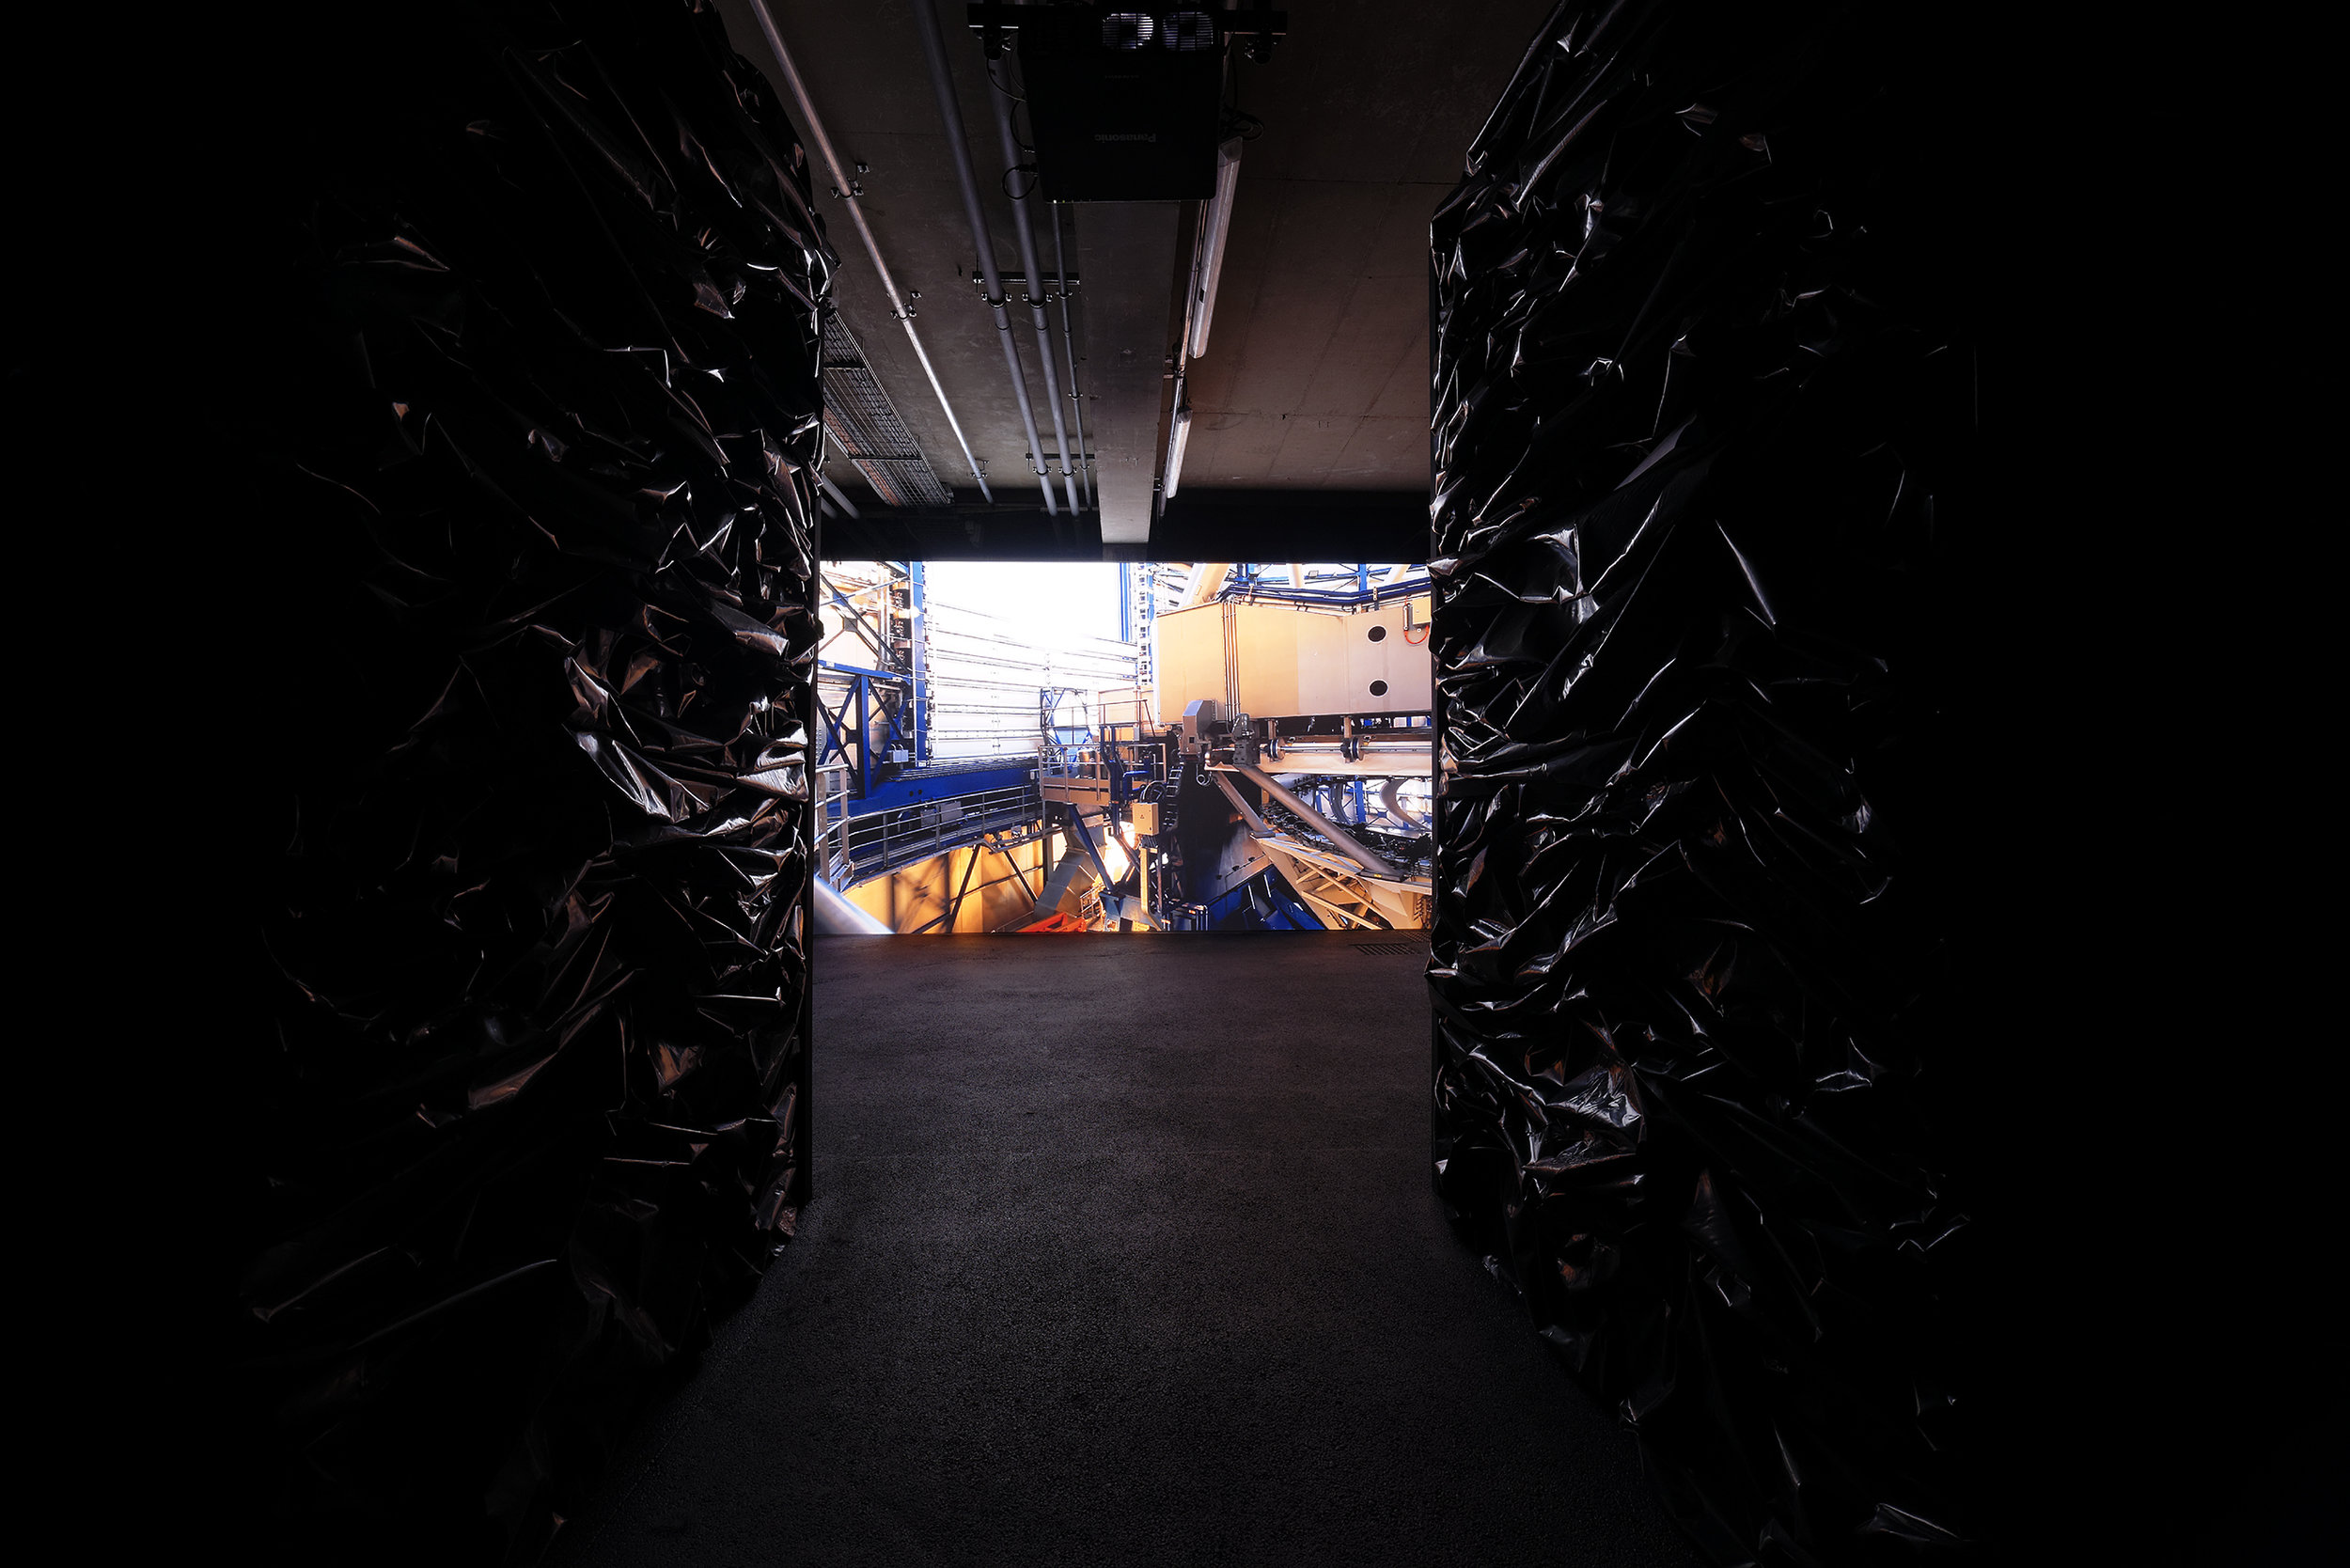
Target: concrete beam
column 1126, row 253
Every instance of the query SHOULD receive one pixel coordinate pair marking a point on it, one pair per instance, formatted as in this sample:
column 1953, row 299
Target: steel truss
column 873, row 703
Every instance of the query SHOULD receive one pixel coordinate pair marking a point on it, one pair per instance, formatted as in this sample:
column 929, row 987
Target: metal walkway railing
column 858, row 849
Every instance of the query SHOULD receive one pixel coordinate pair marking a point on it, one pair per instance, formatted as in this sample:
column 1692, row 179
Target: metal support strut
column 1345, row 842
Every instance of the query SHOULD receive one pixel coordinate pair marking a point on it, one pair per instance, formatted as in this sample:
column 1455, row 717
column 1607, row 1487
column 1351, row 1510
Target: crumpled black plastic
column 1701, row 375
column 533, row 511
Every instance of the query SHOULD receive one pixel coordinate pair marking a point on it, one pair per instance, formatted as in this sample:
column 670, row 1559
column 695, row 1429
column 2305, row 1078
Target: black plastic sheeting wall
column 1703, row 391
column 530, row 524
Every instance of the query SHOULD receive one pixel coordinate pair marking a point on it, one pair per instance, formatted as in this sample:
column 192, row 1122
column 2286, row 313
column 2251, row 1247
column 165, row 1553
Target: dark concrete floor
column 1122, row 1249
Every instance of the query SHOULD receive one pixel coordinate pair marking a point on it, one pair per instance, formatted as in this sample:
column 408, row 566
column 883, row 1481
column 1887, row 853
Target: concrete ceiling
column 1316, row 370
column 1314, row 377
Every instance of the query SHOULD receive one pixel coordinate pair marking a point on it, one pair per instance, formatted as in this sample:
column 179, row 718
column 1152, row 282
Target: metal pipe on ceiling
column 951, row 119
column 848, row 188
column 1068, row 342
column 1033, row 293
column 1346, row 842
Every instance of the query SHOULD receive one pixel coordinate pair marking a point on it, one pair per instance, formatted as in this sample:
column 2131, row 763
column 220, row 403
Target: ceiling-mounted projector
column 1125, row 101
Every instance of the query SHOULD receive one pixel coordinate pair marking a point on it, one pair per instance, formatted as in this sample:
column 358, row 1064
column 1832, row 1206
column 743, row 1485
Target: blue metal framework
column 1348, row 587
column 1250, row 584
column 1059, row 737
column 918, row 650
column 1084, row 837
column 844, row 735
column 882, row 708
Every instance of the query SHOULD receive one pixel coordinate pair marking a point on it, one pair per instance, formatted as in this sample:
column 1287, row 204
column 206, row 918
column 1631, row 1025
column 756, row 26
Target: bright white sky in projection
column 1047, row 603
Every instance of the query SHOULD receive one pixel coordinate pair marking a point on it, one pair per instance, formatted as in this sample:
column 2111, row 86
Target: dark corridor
column 1876, row 945
column 1126, row 1253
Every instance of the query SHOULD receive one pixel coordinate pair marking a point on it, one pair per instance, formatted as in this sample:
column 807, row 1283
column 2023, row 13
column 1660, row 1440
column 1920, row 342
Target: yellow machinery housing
column 1282, row 661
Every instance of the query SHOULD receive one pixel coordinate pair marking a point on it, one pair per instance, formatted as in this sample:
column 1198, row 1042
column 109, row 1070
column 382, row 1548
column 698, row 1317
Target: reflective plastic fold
column 1701, row 383
column 533, row 520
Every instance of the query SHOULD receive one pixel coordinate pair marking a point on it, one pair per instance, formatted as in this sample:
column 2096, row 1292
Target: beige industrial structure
column 1280, row 660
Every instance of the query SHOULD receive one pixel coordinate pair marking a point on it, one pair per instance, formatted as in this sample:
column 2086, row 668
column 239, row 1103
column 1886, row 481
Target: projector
column 1126, row 104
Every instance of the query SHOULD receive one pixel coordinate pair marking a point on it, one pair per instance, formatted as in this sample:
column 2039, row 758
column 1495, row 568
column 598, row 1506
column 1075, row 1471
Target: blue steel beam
column 894, row 676
column 836, row 744
column 917, row 621
column 1248, row 582
column 864, row 735
column 911, row 789
column 1300, row 915
column 1085, row 837
column 857, row 621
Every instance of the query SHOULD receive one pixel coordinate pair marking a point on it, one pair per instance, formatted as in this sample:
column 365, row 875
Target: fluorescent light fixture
column 1207, row 265
column 1219, row 225
column 1175, row 444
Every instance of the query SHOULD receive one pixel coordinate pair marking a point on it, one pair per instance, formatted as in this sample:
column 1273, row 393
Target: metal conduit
column 1021, row 229
column 1068, row 342
column 856, row 215
column 836, row 915
column 1388, row 798
column 834, row 491
column 1346, row 842
column 951, row 118
column 1247, row 812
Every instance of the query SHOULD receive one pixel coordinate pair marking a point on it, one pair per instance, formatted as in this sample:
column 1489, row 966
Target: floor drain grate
column 1384, row 948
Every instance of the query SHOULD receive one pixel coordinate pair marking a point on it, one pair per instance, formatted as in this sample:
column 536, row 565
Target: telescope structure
column 1254, row 750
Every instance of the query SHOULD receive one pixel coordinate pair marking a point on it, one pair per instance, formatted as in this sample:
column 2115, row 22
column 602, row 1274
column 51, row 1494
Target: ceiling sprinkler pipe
column 950, row 121
column 1068, row 342
column 1346, row 843
column 856, row 215
column 1035, row 291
